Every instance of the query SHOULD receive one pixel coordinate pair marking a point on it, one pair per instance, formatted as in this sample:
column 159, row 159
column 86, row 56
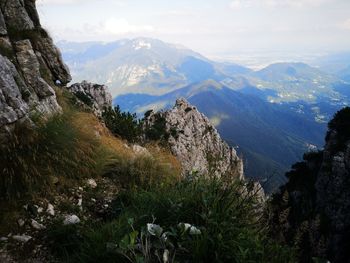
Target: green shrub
column 123, row 124
column 191, row 221
column 84, row 98
column 341, row 124
column 157, row 132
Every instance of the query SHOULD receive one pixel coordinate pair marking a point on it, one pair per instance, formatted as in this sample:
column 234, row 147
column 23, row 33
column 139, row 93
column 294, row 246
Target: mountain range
column 272, row 116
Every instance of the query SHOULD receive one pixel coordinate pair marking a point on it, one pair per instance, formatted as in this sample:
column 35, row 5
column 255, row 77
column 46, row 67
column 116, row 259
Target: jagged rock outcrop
column 16, row 15
column 3, row 30
column 30, row 64
column 333, row 186
column 312, row 210
column 194, row 141
column 95, row 96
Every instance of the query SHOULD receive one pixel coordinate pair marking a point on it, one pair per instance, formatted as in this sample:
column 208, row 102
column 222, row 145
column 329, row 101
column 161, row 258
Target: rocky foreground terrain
column 72, row 190
column 33, row 86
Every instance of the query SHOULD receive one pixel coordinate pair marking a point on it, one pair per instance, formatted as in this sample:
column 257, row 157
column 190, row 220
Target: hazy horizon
column 277, row 29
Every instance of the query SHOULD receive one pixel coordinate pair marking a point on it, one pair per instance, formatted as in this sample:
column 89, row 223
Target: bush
column 192, row 221
column 123, row 124
column 157, row 132
column 86, row 99
column 341, row 124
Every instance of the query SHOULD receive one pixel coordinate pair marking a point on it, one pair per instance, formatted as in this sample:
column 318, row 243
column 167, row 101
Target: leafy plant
column 153, row 244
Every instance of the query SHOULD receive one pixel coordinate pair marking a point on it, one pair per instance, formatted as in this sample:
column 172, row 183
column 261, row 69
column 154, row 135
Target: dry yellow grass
column 111, row 148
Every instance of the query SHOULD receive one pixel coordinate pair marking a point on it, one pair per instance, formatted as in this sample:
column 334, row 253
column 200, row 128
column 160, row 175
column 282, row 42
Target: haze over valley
column 271, row 115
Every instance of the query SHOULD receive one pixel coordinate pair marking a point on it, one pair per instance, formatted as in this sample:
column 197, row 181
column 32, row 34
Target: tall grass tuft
column 34, row 155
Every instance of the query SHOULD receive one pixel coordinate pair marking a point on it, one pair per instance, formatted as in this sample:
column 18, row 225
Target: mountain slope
column 296, row 81
column 270, row 137
column 142, row 65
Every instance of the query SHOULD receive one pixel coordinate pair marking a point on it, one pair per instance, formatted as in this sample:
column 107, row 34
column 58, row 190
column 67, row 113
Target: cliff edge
column 30, row 65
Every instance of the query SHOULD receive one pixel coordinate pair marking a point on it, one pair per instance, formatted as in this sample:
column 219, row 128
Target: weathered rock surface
column 71, row 220
column 50, row 210
column 36, row 225
column 13, row 105
column 333, row 195
column 3, row 30
column 22, row 238
column 313, row 209
column 15, row 14
column 29, row 65
column 195, row 141
column 97, row 97
column 53, row 59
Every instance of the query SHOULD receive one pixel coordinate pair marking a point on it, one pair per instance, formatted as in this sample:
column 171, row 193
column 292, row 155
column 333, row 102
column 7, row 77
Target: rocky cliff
column 194, row 141
column 30, row 65
column 312, row 210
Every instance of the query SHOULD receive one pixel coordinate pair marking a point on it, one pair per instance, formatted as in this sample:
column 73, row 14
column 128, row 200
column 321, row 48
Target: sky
column 216, row 28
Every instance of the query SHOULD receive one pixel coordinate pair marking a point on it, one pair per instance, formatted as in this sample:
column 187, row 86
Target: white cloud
column 59, row 2
column 122, row 26
column 345, row 24
column 239, row 4
column 119, row 3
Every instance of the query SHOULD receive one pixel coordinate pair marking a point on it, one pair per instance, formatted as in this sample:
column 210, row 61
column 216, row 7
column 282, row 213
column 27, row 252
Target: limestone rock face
column 315, row 202
column 30, row 64
column 97, row 97
column 30, row 67
column 3, row 30
column 16, row 15
column 12, row 105
column 333, row 194
column 196, row 143
column 53, row 60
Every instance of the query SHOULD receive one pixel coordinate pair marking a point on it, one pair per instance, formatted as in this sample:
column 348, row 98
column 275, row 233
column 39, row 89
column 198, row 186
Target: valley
column 271, row 116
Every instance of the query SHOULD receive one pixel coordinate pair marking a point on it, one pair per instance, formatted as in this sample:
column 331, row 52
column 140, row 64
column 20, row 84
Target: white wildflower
column 154, row 230
column 195, row 231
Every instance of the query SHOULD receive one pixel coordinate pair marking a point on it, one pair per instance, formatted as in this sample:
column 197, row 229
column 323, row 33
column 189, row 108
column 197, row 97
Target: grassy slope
column 67, row 149
column 50, row 163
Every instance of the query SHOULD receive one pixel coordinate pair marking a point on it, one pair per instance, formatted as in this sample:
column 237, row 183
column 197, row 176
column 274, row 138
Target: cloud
column 122, row 26
column 107, row 30
column 59, row 2
column 345, row 24
column 239, row 4
column 119, row 3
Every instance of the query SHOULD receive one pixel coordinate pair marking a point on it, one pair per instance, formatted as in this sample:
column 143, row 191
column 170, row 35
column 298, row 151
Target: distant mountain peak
column 141, row 44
